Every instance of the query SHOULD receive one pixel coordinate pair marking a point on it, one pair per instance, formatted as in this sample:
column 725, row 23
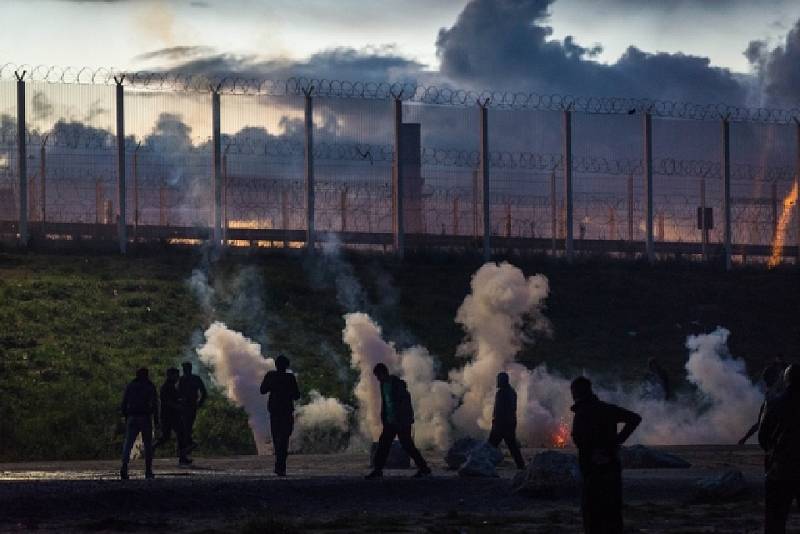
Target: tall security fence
column 134, row 157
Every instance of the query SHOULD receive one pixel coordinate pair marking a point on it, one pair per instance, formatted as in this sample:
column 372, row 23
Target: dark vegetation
column 73, row 327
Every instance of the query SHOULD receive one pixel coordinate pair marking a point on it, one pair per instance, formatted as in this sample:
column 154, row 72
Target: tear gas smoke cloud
column 237, row 367
column 322, row 425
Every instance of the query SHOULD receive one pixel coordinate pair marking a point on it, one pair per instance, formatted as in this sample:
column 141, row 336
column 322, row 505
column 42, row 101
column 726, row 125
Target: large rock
column 641, row 457
column 729, row 486
column 549, row 475
column 457, row 454
column 481, row 462
column 398, row 459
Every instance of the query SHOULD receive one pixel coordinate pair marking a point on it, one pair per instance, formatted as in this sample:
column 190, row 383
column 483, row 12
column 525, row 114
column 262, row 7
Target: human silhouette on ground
column 283, row 391
column 397, row 416
column 192, row 393
column 140, row 408
column 779, row 436
column 595, row 434
column 171, row 419
column 771, row 376
column 504, row 419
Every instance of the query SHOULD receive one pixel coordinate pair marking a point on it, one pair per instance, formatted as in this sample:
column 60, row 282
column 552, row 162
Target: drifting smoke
column 322, row 425
column 237, row 367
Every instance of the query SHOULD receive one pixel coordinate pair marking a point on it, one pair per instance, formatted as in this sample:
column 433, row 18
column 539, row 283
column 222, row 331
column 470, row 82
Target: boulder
column 398, row 459
column 457, row 454
column 641, row 457
column 481, row 462
column 549, row 475
column 729, row 486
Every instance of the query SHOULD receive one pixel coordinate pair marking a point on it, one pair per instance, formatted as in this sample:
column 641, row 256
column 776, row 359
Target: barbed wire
column 410, row 92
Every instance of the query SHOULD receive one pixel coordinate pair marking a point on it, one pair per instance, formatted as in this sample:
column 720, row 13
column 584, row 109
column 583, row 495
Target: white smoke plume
column 238, row 367
column 322, row 425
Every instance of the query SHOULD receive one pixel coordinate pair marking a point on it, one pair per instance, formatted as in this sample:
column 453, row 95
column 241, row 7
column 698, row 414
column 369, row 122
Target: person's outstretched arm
column 630, row 421
column 203, row 392
column 295, row 389
column 124, row 406
column 766, row 428
column 266, row 386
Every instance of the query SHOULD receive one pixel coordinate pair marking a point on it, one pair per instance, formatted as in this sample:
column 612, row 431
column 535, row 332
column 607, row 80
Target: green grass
column 73, row 328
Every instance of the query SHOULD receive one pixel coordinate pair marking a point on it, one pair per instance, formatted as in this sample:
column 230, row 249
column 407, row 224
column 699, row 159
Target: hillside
column 73, row 327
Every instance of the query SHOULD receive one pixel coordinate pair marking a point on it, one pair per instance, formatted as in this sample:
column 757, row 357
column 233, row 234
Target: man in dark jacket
column 397, row 416
column 283, row 391
column 595, row 434
column 771, row 376
column 193, row 394
column 139, row 407
column 171, row 419
column 779, row 436
column 504, row 419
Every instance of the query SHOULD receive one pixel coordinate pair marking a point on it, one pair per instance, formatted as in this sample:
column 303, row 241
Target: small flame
column 561, row 435
column 783, row 225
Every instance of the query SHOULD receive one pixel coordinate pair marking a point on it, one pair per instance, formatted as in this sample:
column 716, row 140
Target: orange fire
column 783, row 224
column 561, row 435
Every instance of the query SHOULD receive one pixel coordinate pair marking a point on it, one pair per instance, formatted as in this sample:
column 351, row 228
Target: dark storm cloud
column 339, row 63
column 779, row 68
column 507, row 43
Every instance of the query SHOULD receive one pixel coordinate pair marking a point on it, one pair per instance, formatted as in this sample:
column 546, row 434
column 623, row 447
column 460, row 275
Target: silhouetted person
column 397, row 416
column 658, row 377
column 193, row 394
column 772, row 388
column 283, row 391
column 504, row 419
column 139, row 407
column 594, row 432
column 171, row 417
column 779, row 436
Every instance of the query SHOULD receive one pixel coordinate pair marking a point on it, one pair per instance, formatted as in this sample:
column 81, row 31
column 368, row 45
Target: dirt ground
column 327, row 493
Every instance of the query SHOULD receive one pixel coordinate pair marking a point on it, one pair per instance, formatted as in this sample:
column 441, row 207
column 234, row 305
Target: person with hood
column 140, row 408
column 504, row 419
column 283, row 391
column 397, row 416
column 171, row 419
column 598, row 439
column 779, row 436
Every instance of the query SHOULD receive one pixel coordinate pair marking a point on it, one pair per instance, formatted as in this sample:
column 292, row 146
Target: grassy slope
column 73, row 327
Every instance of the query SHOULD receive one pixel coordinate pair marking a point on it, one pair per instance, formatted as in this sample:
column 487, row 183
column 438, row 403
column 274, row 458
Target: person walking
column 504, row 419
column 171, row 417
column 779, row 436
column 192, row 393
column 595, row 434
column 140, row 409
column 281, row 386
column 397, row 416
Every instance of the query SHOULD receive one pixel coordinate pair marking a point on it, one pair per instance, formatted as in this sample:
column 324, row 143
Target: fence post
column 217, row 142
column 648, row 186
column 703, row 226
column 22, row 159
column 43, row 179
column 569, row 246
column 553, row 211
column 397, row 182
column 726, row 189
column 309, row 166
column 484, row 174
column 136, row 189
column 343, row 208
column 774, row 200
column 225, row 181
column 122, row 221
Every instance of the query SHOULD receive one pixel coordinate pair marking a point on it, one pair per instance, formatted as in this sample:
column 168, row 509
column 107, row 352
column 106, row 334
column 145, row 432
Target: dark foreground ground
column 326, row 493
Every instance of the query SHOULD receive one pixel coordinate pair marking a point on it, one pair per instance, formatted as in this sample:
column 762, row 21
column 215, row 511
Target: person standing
column 779, row 436
column 281, row 386
column 140, row 408
column 595, row 434
column 504, row 419
column 171, row 419
column 192, row 393
column 771, row 376
column 397, row 416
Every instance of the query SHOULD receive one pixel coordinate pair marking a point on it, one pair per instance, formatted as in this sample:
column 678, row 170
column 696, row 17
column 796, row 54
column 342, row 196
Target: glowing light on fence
column 783, row 224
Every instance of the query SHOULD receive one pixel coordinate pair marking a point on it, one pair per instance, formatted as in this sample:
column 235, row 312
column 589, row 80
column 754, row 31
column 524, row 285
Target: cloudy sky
column 537, row 44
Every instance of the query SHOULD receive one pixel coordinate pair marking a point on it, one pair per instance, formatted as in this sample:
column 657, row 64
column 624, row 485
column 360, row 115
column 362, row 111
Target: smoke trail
column 238, row 367
column 323, row 425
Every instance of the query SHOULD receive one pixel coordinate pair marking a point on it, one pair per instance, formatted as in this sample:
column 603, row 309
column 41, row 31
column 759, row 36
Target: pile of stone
column 727, row 487
column 641, row 457
column 550, row 475
column 458, row 454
